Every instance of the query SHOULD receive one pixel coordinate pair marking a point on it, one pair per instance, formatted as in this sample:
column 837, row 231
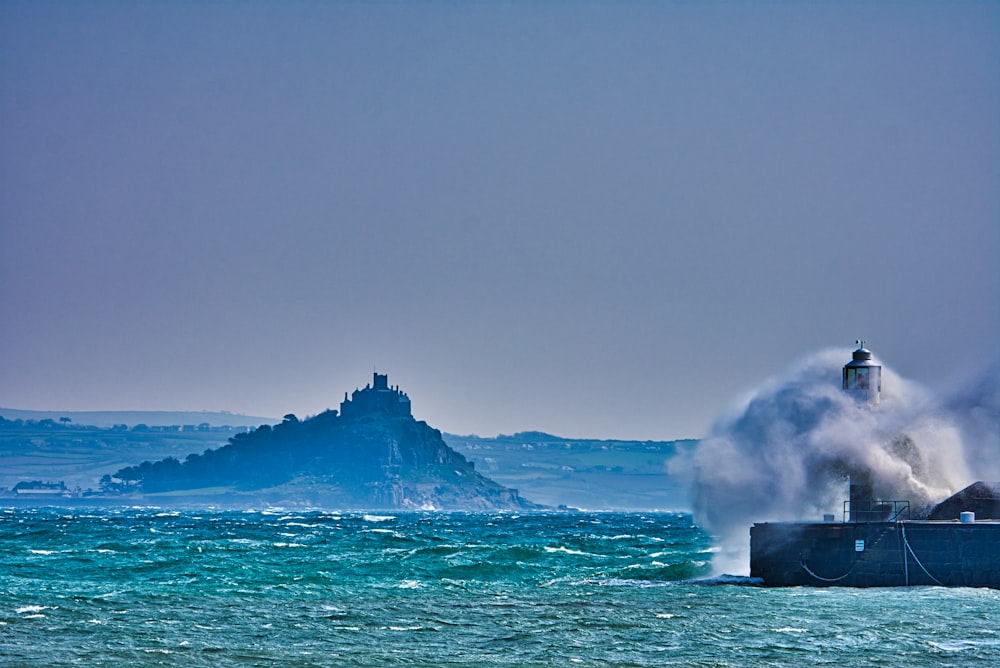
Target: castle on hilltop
column 376, row 398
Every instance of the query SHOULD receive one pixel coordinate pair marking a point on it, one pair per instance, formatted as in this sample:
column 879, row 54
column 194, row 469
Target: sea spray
column 974, row 407
column 787, row 449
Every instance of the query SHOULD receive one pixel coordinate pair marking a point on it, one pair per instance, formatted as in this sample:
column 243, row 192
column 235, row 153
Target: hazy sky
column 596, row 219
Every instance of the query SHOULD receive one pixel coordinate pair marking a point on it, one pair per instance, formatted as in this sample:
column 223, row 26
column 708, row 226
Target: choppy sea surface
column 145, row 587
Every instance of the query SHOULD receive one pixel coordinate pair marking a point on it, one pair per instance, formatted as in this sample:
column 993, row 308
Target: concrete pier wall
column 876, row 554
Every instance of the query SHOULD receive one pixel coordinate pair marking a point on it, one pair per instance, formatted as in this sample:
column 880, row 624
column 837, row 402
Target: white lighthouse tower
column 863, row 380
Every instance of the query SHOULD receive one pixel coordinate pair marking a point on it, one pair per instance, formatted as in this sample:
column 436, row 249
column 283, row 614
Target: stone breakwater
column 876, row 554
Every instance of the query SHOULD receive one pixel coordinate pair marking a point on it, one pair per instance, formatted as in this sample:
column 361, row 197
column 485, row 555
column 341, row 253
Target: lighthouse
column 863, row 381
column 878, row 544
column 862, row 377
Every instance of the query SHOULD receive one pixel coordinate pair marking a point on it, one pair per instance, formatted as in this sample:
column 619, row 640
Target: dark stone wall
column 894, row 554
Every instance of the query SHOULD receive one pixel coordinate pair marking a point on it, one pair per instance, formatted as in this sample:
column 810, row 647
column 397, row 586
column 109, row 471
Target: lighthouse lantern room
column 862, row 377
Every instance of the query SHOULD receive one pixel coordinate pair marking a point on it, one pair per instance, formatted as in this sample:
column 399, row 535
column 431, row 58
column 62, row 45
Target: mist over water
column 785, row 451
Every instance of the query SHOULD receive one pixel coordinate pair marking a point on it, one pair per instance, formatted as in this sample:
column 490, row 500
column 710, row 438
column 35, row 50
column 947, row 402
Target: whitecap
column 410, row 584
column 107, row 595
column 44, row 553
column 379, row 518
column 565, row 550
column 624, row 582
column 727, row 579
column 791, row 629
column 957, row 645
column 31, row 608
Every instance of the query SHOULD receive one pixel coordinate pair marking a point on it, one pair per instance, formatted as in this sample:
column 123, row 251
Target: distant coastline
column 70, row 449
column 107, row 419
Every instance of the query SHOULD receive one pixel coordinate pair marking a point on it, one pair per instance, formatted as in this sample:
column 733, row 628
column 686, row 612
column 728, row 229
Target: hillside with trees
column 368, row 460
column 78, row 454
column 582, row 473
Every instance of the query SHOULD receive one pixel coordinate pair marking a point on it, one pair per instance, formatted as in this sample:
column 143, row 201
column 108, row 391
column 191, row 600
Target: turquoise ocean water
column 144, row 587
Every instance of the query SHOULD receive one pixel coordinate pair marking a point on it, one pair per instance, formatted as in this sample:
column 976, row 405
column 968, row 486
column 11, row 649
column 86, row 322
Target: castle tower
column 377, row 397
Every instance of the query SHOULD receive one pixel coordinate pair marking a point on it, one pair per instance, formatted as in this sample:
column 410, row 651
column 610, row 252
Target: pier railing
column 877, row 511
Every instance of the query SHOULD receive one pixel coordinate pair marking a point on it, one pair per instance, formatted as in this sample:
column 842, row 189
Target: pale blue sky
column 596, row 219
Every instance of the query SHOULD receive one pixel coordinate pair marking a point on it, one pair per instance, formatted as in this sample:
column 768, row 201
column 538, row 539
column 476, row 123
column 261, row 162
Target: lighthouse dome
column 862, row 355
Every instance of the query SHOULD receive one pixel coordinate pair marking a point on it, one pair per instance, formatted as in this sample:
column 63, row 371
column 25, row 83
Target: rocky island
column 372, row 454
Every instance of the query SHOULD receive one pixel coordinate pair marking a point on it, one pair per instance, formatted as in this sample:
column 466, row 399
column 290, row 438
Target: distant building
column 376, row 398
column 37, row 488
